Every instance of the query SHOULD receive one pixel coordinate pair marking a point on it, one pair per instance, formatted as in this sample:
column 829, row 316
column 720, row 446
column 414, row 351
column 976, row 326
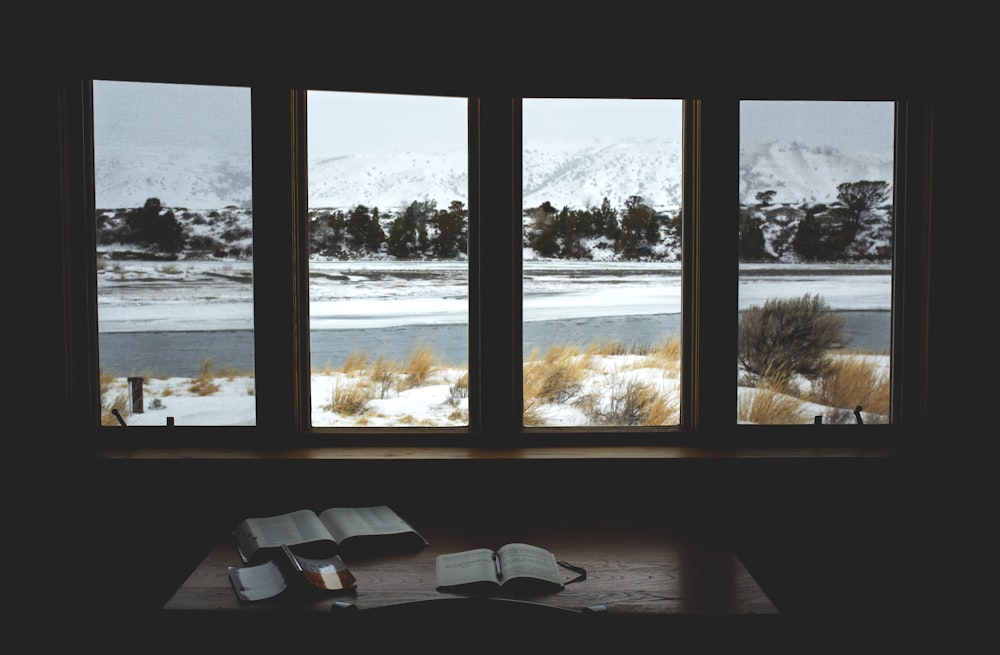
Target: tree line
column 421, row 230
column 816, row 232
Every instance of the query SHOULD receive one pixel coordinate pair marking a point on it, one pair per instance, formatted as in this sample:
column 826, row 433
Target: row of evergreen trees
column 816, row 232
column 637, row 231
column 422, row 231
column 632, row 233
column 419, row 231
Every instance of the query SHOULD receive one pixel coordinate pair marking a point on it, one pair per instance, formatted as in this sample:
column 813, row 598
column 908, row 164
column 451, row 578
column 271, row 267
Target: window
column 816, row 254
column 388, row 260
column 492, row 404
column 174, row 253
column 601, row 294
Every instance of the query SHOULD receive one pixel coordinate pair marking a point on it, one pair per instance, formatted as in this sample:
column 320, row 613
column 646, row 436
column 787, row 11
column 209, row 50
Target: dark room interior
column 856, row 536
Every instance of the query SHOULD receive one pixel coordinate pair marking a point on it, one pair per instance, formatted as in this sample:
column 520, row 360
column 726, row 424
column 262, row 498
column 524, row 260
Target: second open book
column 514, row 567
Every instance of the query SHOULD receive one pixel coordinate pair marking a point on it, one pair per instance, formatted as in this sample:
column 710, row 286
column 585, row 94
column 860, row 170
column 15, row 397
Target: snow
column 553, row 290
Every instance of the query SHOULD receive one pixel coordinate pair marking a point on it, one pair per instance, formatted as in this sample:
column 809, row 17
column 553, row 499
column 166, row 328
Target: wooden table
column 633, row 568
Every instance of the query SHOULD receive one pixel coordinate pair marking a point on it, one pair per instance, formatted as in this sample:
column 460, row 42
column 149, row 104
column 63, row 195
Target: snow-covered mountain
column 803, row 174
column 577, row 174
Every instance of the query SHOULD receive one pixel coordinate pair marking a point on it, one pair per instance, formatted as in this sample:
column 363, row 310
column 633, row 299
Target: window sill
column 585, row 453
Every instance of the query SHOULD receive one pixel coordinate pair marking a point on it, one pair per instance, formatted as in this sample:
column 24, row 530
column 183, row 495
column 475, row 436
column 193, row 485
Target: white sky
column 574, row 118
column 848, row 126
column 140, row 114
column 346, row 123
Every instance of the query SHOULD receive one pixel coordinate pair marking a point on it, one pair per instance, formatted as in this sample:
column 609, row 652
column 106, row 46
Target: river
column 181, row 353
column 166, row 320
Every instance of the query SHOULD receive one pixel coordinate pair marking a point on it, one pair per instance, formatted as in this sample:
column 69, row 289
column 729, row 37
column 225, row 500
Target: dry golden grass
column 556, row 378
column 666, row 355
column 350, row 398
column 664, row 410
column 615, row 347
column 383, row 375
column 201, row 386
column 855, row 379
column 119, row 402
column 355, row 362
column 418, row 367
column 204, row 383
column 770, row 407
column 560, row 378
column 615, row 393
column 229, row 372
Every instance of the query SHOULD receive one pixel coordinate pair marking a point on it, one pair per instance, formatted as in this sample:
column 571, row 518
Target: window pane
column 601, row 199
column 388, row 271
column 815, row 281
column 173, row 196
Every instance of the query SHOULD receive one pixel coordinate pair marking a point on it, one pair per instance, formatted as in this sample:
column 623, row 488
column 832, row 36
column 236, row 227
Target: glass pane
column 601, row 202
column 815, row 281
column 174, row 228
column 388, row 260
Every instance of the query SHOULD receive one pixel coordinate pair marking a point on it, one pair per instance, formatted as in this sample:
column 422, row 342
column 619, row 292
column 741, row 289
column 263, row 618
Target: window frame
column 708, row 392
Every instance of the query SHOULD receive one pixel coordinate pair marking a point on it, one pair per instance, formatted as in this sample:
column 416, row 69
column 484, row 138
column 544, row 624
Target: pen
column 496, row 561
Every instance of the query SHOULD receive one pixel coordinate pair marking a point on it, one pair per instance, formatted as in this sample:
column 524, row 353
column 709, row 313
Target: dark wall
column 825, row 538
column 816, row 532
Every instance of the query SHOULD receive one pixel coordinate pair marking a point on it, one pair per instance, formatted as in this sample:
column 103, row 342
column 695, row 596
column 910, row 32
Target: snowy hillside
column 802, row 174
column 574, row 174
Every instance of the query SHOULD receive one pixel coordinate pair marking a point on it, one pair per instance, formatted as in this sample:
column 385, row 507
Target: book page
column 525, row 560
column 466, row 567
column 297, row 527
column 346, row 522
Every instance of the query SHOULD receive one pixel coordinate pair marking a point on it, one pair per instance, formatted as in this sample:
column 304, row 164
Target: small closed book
column 287, row 573
column 515, row 568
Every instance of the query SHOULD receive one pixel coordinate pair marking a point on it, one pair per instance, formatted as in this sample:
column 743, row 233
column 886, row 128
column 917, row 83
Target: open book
column 516, row 568
column 334, row 531
column 286, row 573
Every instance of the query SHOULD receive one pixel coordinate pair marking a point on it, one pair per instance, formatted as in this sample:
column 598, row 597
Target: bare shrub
column 459, row 390
column 624, row 401
column 791, row 334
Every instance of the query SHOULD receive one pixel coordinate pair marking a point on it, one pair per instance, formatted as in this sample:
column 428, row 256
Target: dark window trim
column 708, row 415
